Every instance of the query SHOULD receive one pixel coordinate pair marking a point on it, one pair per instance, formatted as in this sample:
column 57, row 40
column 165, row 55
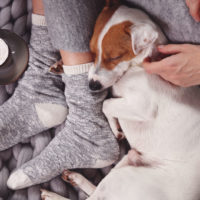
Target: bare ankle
column 75, row 58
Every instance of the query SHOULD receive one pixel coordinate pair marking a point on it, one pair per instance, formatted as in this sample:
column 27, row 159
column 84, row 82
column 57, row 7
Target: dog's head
column 121, row 36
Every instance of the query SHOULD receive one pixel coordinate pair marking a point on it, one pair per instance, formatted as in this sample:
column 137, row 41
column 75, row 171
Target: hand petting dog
column 182, row 66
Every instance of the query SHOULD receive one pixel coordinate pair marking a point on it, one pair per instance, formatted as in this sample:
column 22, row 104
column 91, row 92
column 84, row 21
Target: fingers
column 194, row 8
column 159, row 67
column 153, row 67
column 171, row 48
column 164, row 66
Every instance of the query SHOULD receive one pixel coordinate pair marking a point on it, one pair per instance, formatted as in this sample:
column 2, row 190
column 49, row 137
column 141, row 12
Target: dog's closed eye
column 115, row 58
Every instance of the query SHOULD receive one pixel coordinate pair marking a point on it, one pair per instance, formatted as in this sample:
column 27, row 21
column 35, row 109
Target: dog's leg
column 122, row 163
column 137, row 108
column 46, row 195
column 133, row 158
column 115, row 127
column 77, row 179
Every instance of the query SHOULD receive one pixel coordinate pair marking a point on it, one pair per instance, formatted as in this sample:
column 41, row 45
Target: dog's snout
column 95, row 85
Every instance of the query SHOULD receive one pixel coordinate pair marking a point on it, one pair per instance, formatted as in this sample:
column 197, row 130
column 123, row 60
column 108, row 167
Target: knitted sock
column 38, row 102
column 85, row 142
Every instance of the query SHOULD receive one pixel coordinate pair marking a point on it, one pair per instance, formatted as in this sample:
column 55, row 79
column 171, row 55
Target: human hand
column 194, row 8
column 181, row 68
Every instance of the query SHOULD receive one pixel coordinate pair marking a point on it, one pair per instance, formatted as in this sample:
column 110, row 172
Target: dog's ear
column 142, row 36
column 110, row 3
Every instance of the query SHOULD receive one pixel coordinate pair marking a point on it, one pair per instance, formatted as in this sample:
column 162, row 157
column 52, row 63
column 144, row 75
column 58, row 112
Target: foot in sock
column 38, row 102
column 85, row 142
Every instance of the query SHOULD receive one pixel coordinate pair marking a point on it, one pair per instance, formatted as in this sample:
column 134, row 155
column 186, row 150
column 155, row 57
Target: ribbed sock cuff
column 77, row 69
column 38, row 20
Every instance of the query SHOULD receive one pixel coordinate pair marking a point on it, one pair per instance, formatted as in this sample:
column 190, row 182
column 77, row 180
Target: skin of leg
column 75, row 58
column 38, row 7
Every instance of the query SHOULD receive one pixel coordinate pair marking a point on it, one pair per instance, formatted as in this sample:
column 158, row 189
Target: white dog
column 160, row 121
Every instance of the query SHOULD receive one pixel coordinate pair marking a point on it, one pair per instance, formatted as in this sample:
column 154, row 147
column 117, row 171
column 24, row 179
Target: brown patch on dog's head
column 116, row 45
column 102, row 19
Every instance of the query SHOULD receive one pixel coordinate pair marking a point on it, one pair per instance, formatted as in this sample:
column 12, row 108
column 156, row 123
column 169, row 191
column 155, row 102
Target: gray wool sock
column 38, row 102
column 86, row 141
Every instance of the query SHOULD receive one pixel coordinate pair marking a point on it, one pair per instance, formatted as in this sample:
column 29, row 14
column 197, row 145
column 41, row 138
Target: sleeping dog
column 160, row 121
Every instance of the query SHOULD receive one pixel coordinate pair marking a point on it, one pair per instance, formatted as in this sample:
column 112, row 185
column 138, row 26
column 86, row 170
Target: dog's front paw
column 67, row 176
column 46, row 195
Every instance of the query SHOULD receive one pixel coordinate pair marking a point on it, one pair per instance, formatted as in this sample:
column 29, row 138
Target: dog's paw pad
column 67, row 177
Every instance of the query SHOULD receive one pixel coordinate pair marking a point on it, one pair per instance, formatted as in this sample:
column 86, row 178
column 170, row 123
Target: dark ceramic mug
column 16, row 63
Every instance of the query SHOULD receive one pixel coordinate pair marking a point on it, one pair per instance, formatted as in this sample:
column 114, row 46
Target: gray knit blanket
column 15, row 15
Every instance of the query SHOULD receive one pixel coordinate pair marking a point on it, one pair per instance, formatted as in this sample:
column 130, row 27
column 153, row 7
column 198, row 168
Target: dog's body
column 160, row 121
column 163, row 123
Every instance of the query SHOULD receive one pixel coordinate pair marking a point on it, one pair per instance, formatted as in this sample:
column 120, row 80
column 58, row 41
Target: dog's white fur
column 160, row 120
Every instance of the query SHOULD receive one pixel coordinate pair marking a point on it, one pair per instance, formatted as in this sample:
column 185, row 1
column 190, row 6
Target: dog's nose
column 94, row 85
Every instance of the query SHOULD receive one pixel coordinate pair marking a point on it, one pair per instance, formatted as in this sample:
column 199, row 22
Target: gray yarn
column 19, row 195
column 11, row 88
column 20, row 24
column 4, row 173
column 4, row 3
column 16, row 150
column 25, row 155
column 3, row 94
column 40, row 141
column 59, row 187
column 34, row 193
column 1, row 164
column 12, row 164
column 5, row 155
column 18, row 8
column 5, row 15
